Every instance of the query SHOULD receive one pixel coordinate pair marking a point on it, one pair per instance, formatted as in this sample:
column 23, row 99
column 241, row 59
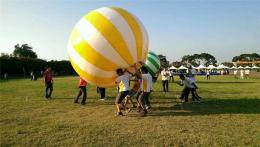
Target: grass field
column 228, row 116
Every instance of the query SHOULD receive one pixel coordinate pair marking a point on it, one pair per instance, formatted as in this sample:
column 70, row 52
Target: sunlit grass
column 228, row 116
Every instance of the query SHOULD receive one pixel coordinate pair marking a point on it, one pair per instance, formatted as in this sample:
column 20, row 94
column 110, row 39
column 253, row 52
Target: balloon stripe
column 89, row 53
column 155, row 58
column 84, row 65
column 153, row 62
column 132, row 22
column 89, row 33
column 121, row 25
column 92, row 79
column 145, row 39
column 150, row 71
column 113, row 36
column 150, row 65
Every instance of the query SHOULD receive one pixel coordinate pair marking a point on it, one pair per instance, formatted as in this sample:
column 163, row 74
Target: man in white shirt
column 165, row 79
column 235, row 74
column 189, row 85
column 247, row 72
column 146, row 88
column 123, row 83
column 242, row 74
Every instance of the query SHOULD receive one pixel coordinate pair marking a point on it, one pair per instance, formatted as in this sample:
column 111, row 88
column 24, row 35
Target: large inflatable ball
column 152, row 63
column 104, row 40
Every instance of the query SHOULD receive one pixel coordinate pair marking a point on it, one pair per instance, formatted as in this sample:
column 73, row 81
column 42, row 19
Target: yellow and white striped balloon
column 104, row 40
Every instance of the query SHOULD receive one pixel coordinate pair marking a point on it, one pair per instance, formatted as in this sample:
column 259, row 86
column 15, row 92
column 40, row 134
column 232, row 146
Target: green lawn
column 228, row 116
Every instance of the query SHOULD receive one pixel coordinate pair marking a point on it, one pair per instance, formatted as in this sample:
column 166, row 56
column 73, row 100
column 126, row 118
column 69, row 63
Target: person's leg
column 102, row 92
column 163, row 83
column 186, row 94
column 51, row 89
column 167, row 85
column 142, row 100
column 84, row 91
column 119, row 100
column 46, row 90
column 194, row 97
column 79, row 94
column 147, row 101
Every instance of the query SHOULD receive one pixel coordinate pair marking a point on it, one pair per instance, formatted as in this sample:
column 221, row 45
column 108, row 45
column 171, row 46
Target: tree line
column 24, row 60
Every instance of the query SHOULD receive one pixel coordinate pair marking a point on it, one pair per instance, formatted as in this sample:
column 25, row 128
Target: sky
column 223, row 28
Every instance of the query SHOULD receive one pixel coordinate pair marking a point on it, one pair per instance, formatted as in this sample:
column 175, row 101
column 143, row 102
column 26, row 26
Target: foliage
column 197, row 59
column 176, row 64
column 247, row 57
column 24, row 51
column 229, row 64
column 23, row 66
column 164, row 61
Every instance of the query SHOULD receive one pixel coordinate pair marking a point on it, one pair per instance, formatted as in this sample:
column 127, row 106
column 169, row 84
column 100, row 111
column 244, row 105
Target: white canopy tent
column 240, row 67
column 201, row 67
column 182, row 67
column 233, row 67
column 172, row 68
column 254, row 67
column 247, row 67
column 221, row 66
column 211, row 67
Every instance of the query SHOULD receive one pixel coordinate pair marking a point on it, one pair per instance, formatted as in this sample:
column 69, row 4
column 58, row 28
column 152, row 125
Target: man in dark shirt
column 47, row 76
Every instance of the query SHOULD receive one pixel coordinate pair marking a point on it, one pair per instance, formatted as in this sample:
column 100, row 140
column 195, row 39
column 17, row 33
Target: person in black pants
column 82, row 90
column 102, row 92
column 47, row 76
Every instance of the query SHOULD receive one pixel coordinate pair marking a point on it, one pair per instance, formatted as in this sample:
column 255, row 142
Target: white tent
column 247, row 67
column 222, row 67
column 255, row 67
column 233, row 67
column 211, row 67
column 201, row 67
column 182, row 67
column 172, row 67
column 240, row 67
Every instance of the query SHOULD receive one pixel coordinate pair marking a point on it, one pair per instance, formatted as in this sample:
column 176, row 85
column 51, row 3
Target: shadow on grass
column 210, row 107
column 233, row 82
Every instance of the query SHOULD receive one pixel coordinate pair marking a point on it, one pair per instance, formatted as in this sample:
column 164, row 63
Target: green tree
column 163, row 60
column 247, row 57
column 197, row 59
column 24, row 51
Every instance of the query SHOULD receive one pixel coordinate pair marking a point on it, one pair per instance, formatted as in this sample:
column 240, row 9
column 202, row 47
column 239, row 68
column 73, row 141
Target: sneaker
column 128, row 110
column 83, row 103
column 119, row 114
column 76, row 101
column 139, row 109
column 143, row 113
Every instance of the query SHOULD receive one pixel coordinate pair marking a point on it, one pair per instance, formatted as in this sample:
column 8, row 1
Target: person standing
column 102, row 92
column 122, row 81
column 189, row 85
column 82, row 90
column 165, row 79
column 247, row 72
column 242, row 74
column 47, row 76
column 208, row 74
column 235, row 74
column 146, row 89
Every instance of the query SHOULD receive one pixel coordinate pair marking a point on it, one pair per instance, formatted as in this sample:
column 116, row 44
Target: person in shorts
column 123, row 83
column 134, row 90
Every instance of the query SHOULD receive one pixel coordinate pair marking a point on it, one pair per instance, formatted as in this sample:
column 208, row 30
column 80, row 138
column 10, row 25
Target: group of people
column 244, row 74
column 141, row 89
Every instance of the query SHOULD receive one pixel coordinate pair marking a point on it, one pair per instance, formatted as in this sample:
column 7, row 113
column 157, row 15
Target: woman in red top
column 82, row 90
